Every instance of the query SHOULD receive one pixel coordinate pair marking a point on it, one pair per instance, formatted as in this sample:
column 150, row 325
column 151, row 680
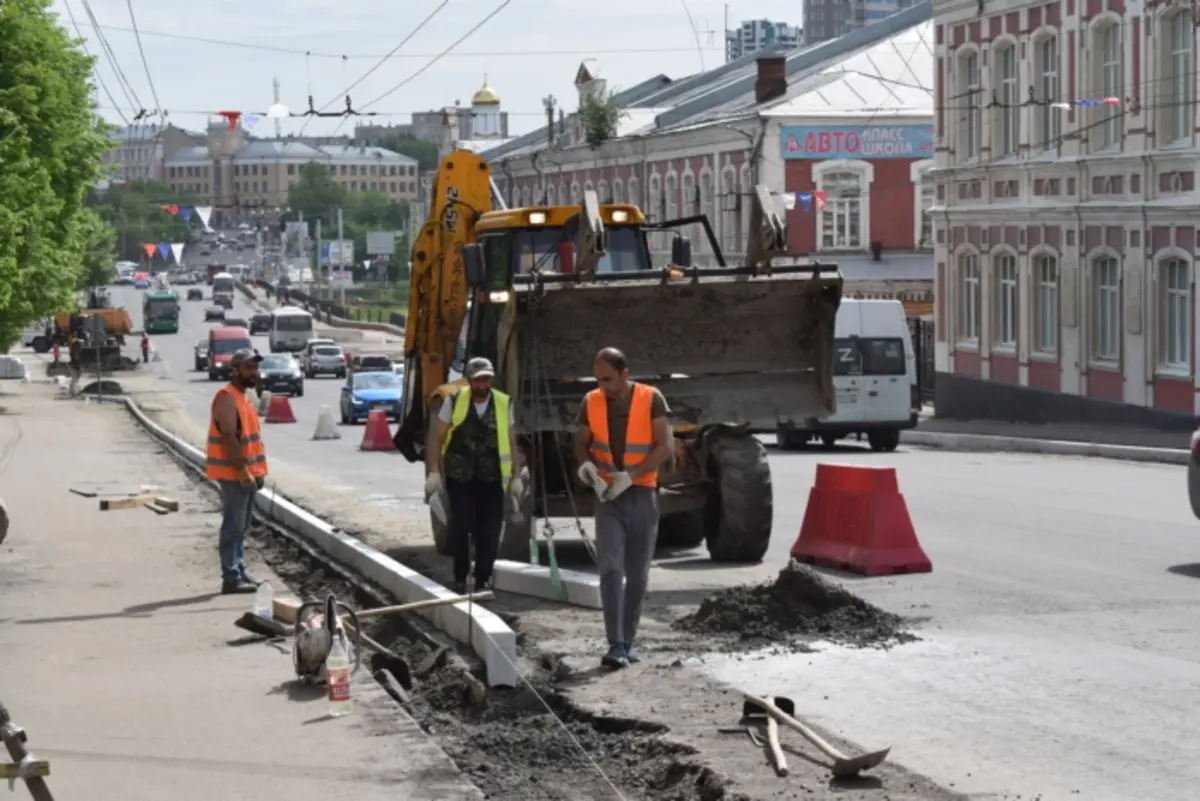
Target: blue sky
column 632, row 39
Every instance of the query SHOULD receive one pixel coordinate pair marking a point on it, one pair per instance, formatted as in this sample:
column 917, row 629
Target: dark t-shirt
column 618, row 421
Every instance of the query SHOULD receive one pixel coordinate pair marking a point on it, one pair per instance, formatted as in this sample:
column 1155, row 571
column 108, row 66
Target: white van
column 291, row 329
column 874, row 376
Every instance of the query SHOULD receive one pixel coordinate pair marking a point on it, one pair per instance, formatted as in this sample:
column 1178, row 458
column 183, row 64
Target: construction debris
column 162, row 505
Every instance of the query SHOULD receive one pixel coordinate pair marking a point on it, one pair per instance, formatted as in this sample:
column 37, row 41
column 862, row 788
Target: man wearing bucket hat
column 473, row 461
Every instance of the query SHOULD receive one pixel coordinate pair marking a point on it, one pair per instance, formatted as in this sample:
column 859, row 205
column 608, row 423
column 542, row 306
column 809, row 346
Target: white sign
column 337, row 252
column 381, row 243
column 341, row 278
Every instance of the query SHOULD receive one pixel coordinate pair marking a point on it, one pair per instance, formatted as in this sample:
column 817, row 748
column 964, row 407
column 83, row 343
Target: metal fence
column 922, row 337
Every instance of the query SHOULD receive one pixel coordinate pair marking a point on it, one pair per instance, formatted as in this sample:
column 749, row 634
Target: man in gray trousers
column 623, row 440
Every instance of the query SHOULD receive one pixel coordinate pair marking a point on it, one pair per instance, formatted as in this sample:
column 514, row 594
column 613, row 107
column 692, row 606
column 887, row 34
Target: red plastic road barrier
column 376, row 435
column 279, row 410
column 856, row 520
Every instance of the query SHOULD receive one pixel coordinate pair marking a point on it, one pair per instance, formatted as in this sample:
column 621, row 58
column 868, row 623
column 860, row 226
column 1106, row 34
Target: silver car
column 325, row 360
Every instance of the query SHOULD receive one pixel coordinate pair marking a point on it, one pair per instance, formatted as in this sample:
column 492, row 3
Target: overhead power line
column 99, row 78
column 122, row 81
column 142, row 53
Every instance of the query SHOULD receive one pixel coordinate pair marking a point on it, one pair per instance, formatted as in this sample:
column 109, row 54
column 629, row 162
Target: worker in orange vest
column 623, row 440
column 237, row 461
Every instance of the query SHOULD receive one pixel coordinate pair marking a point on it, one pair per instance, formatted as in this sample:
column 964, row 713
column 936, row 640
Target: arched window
column 729, row 216
column 602, row 192
column 706, row 204
column 576, row 194
column 635, row 189
column 968, row 299
column 1045, row 302
column 745, row 191
column 1106, row 308
column 671, row 196
column 841, row 219
column 1006, row 300
column 526, row 196
column 1108, row 59
column 618, row 193
column 687, row 205
column 1008, row 95
column 1174, row 302
column 551, row 195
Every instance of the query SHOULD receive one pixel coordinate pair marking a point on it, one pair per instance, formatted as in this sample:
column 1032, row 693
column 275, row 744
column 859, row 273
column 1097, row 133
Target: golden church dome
column 486, row 96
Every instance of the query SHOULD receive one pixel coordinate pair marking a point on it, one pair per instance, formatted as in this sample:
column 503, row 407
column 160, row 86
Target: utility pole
column 275, row 84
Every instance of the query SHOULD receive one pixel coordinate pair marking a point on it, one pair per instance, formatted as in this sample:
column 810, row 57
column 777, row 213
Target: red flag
column 172, row 209
column 150, row 249
column 231, row 117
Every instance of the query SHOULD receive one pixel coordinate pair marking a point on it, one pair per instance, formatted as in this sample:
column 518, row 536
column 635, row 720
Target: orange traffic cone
column 279, row 410
column 377, row 436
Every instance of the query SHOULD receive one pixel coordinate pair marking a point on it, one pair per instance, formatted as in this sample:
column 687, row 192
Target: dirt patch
column 102, row 388
column 513, row 747
column 799, row 607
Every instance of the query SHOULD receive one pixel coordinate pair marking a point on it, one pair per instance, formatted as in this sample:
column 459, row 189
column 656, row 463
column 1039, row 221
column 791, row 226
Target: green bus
column 160, row 312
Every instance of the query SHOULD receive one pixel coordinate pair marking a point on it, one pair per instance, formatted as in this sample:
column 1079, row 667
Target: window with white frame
column 926, row 195
column 1180, row 79
column 745, row 190
column 635, row 192
column 671, row 191
column 968, row 298
column 841, row 219
column 576, row 194
column 526, row 195
column 1110, row 83
column 562, row 194
column 1006, row 302
column 706, row 205
column 551, row 196
column 1106, row 309
column 1045, row 303
column 1050, row 120
column 687, row 205
column 654, row 209
column 1175, row 301
column 729, row 216
column 602, row 192
column 1009, row 112
column 971, row 123
column 618, row 191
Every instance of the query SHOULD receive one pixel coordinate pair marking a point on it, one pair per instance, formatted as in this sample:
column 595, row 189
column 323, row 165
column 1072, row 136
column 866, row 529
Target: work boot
column 249, row 579
column 615, row 658
column 238, row 587
column 631, row 654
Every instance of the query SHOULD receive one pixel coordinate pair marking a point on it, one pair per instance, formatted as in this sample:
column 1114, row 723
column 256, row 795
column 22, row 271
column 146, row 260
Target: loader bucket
column 746, row 350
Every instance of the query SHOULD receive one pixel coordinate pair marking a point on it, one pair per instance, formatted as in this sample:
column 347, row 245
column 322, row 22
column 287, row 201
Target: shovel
column 844, row 767
column 755, row 713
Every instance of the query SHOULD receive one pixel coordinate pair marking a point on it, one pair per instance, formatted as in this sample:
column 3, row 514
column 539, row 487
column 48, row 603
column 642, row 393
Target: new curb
column 1050, row 447
column 483, row 631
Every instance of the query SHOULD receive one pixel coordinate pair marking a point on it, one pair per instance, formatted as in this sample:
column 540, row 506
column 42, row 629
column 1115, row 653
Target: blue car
column 141, row 283
column 363, row 392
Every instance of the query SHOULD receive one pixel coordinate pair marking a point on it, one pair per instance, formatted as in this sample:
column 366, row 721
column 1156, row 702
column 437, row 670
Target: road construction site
column 1048, row 653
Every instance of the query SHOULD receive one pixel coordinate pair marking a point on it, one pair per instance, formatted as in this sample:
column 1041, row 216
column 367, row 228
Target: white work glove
column 589, row 475
column 620, row 482
column 433, row 485
column 438, row 508
column 516, row 493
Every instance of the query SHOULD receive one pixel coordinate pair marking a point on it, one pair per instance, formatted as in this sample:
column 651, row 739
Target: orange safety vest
column 639, row 433
column 218, row 466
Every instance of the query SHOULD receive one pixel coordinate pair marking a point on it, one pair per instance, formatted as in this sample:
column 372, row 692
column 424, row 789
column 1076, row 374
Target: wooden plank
column 11, row 770
column 167, row 503
column 126, row 503
column 285, row 609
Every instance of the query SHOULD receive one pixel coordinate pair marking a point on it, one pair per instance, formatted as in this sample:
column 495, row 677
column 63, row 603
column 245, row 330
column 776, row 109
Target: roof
column 481, row 145
column 294, row 150
column 486, row 96
column 864, row 71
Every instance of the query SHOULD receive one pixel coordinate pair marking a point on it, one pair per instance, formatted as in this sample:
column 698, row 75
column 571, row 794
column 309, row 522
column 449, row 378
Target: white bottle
column 337, row 677
column 264, row 601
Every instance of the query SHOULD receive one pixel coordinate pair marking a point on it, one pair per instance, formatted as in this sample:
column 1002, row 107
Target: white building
column 758, row 34
column 1066, row 238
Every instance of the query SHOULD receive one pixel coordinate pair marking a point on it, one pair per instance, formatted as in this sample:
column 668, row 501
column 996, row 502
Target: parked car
column 239, row 322
column 214, row 313
column 325, row 360
column 195, row 293
column 281, row 374
column 260, row 323
column 202, row 355
column 363, row 392
column 371, row 362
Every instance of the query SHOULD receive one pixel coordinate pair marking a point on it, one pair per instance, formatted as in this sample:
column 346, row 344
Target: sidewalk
column 1079, row 432
column 114, row 644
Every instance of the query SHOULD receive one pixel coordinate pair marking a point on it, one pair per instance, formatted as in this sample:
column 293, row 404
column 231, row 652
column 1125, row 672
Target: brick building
column 1066, row 236
column 841, row 133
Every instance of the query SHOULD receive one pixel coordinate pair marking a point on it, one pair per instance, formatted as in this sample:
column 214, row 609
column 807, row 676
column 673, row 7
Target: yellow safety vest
column 500, row 402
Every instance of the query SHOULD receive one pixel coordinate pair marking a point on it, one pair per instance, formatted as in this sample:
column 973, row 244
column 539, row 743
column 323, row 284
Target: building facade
column 1066, row 235
column 845, row 152
column 235, row 173
column 139, row 151
column 755, row 35
column 830, row 19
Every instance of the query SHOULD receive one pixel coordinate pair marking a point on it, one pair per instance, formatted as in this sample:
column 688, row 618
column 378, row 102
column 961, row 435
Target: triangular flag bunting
column 250, row 120
column 177, row 252
column 231, row 117
column 164, row 249
column 185, row 213
column 204, row 213
column 805, row 199
column 172, row 209
column 149, row 247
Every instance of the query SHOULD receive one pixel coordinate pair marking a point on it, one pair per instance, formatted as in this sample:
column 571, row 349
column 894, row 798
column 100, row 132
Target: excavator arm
column 461, row 191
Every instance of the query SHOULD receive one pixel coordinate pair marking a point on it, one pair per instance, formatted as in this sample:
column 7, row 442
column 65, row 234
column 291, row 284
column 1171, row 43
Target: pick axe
column 843, row 767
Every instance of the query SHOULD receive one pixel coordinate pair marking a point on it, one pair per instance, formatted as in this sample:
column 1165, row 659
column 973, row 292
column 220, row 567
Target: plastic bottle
column 337, row 676
column 264, row 601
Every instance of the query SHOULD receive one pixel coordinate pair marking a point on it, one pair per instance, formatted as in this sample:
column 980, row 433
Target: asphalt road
column 1062, row 652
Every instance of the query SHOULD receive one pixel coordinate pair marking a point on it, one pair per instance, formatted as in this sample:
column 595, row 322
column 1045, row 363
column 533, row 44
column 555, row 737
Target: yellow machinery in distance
column 735, row 350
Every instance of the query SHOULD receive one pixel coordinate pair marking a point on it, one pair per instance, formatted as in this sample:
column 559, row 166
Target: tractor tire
column 884, row 441
column 40, row 344
column 3, row 522
column 739, row 512
column 681, row 530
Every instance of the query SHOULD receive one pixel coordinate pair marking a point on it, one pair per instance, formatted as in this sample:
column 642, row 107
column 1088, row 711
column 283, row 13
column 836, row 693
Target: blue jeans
column 237, row 502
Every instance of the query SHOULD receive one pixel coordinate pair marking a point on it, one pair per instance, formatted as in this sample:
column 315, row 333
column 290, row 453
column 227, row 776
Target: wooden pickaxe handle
column 367, row 614
column 780, row 716
column 777, row 757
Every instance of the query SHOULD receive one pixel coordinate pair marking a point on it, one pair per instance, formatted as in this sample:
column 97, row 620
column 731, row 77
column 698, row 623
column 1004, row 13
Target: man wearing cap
column 472, row 458
column 237, row 461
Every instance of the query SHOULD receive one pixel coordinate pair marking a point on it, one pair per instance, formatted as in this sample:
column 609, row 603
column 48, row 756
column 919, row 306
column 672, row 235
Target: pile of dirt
column 102, row 387
column 799, row 606
column 512, row 747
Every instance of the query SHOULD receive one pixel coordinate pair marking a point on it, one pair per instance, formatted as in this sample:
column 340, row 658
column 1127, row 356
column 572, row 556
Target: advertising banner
column 871, row 142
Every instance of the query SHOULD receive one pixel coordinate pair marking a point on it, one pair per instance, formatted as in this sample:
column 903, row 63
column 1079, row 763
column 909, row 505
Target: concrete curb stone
column 1050, row 447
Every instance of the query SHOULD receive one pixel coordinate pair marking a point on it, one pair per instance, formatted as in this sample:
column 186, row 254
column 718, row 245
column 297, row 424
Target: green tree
column 315, row 192
column 600, row 115
column 100, row 242
column 426, row 153
column 51, row 143
column 135, row 212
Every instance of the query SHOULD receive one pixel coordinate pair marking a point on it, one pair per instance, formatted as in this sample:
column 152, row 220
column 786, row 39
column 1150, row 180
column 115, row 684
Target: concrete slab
column 1009, row 444
column 119, row 656
column 522, row 578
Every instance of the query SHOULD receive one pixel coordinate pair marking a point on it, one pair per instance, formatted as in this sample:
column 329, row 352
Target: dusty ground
column 650, row 730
